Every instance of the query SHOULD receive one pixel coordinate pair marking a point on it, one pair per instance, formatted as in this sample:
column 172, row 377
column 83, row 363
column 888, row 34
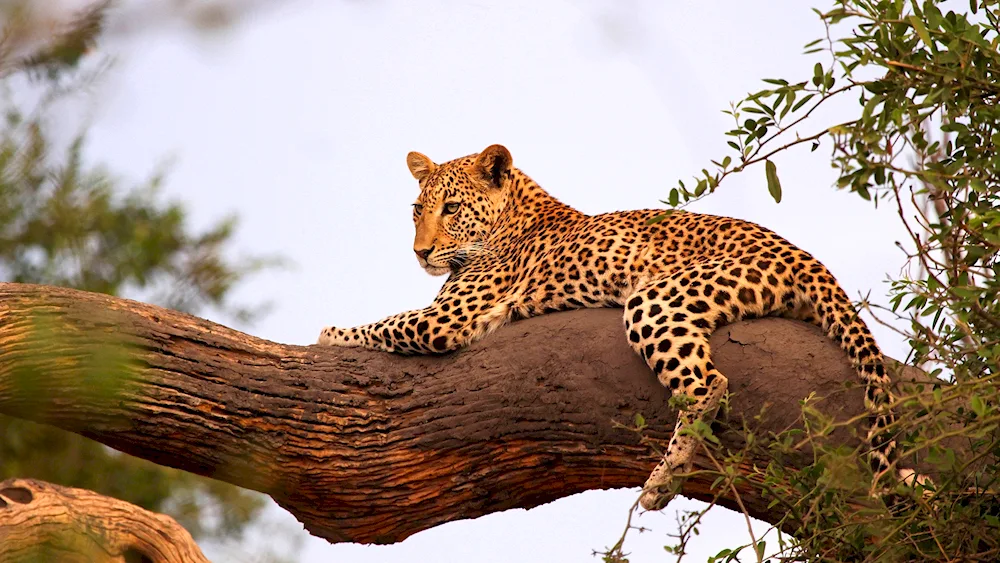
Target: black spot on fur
column 685, row 350
column 698, row 307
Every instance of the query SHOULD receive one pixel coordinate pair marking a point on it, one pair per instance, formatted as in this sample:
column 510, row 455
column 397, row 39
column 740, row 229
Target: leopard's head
column 459, row 204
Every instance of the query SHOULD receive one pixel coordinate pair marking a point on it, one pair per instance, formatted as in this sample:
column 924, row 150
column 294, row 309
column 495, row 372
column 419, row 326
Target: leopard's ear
column 494, row 165
column 420, row 166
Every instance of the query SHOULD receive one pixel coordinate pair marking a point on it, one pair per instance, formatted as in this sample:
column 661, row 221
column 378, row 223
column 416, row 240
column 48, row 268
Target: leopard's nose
column 423, row 252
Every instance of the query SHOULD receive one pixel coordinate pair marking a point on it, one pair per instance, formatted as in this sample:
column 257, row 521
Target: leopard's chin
column 433, row 269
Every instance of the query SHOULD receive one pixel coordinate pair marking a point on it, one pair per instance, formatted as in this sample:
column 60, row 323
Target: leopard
column 512, row 251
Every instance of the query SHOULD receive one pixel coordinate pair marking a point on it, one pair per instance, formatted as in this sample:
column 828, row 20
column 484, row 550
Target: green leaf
column 760, row 549
column 870, row 107
column 978, row 406
column 918, row 26
column 818, row 75
column 658, row 218
column 640, row 421
column 773, row 185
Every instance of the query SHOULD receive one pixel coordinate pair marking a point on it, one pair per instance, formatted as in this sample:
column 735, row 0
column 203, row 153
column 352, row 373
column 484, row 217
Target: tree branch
column 365, row 446
column 44, row 522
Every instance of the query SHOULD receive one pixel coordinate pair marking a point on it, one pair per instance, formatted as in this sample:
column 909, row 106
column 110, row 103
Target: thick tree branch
column 365, row 446
column 44, row 522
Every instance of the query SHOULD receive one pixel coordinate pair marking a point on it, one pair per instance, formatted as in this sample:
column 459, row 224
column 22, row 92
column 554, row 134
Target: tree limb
column 40, row 521
column 365, row 446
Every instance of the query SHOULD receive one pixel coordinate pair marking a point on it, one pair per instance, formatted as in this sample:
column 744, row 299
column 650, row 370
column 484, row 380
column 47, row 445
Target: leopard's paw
column 656, row 496
column 330, row 336
column 662, row 486
column 911, row 478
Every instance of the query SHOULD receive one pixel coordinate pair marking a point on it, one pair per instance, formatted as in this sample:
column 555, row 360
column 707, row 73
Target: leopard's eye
column 417, row 208
column 450, row 208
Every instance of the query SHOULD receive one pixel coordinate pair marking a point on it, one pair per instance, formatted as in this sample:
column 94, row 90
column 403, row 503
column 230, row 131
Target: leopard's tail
column 835, row 314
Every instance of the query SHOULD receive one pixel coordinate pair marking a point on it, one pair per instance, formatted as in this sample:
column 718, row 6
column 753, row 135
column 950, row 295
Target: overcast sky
column 298, row 119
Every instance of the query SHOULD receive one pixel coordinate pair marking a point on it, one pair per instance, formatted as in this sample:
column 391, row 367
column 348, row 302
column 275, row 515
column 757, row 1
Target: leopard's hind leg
column 668, row 321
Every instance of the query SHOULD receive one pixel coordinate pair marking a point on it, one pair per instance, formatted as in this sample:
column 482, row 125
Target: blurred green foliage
column 64, row 222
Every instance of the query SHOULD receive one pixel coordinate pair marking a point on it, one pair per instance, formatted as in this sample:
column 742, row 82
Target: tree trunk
column 365, row 446
column 40, row 521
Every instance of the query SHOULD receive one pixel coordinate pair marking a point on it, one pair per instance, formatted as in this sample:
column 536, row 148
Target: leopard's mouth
column 432, row 268
column 438, row 265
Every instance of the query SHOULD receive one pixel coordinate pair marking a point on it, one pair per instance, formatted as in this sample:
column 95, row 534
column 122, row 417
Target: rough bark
column 44, row 522
column 365, row 446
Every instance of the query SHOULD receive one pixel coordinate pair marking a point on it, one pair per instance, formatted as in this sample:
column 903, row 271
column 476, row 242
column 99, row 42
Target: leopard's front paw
column 331, row 336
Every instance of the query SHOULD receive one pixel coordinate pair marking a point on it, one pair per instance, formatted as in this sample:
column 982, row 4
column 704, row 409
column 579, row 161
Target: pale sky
column 298, row 119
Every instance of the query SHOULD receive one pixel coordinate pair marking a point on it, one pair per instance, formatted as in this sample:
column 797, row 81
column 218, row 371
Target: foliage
column 65, row 223
column 923, row 140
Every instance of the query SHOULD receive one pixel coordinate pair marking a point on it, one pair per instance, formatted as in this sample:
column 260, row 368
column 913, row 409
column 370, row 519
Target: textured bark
column 44, row 522
column 365, row 446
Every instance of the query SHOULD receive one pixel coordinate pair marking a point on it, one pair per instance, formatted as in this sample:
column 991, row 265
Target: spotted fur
column 513, row 251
